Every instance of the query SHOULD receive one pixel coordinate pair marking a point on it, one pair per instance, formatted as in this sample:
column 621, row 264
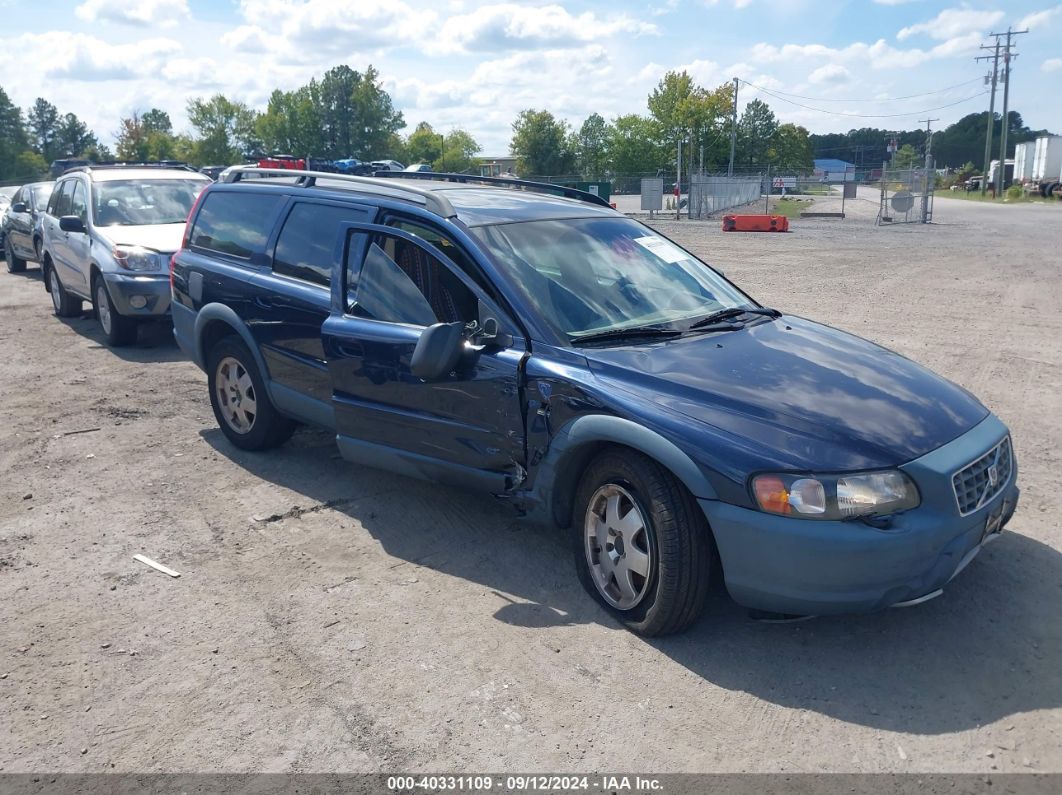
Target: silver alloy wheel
column 236, row 395
column 53, row 282
column 103, row 307
column 617, row 546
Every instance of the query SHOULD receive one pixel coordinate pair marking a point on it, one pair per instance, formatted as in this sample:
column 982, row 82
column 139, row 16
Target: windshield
column 144, row 201
column 41, row 194
column 591, row 275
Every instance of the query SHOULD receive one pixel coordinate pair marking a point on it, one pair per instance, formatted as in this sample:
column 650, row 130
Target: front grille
column 980, row 481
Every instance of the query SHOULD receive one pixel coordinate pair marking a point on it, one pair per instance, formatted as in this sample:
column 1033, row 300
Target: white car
column 107, row 237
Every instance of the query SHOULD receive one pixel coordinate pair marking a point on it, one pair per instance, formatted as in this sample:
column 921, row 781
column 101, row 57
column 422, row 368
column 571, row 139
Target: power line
column 867, row 99
column 873, row 115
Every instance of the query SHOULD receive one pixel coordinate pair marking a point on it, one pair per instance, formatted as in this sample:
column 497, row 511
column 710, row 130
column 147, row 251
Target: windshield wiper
column 625, row 333
column 734, row 311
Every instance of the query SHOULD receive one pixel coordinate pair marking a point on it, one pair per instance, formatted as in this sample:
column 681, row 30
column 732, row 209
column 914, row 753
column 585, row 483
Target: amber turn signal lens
column 771, row 494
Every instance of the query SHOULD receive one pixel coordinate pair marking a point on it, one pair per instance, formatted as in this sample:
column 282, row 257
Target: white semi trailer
column 1046, row 177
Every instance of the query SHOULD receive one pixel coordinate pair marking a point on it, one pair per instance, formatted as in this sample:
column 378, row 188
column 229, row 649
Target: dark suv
column 531, row 342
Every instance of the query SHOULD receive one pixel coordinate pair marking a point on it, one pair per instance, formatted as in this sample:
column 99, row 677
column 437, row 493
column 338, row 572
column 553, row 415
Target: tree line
column 957, row 146
column 347, row 113
column 679, row 111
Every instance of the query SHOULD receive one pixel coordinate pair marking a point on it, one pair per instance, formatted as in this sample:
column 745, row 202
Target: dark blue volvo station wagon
column 531, row 342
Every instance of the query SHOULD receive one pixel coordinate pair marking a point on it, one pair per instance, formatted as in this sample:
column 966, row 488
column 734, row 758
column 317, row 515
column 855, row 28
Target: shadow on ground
column 154, row 343
column 988, row 648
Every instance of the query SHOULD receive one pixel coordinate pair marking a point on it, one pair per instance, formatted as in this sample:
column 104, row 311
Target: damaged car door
column 425, row 369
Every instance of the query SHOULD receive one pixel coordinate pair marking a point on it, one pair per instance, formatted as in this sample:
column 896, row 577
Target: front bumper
column 150, row 293
column 808, row 567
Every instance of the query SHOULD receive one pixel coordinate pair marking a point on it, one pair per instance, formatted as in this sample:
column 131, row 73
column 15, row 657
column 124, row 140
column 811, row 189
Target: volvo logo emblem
column 993, row 475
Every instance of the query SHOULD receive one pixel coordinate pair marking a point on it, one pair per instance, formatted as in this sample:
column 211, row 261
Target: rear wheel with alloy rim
column 643, row 548
column 118, row 329
column 238, row 396
column 63, row 303
column 15, row 264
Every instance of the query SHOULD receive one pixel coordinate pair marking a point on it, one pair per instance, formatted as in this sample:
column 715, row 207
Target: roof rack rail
column 173, row 164
column 433, row 201
column 520, row 184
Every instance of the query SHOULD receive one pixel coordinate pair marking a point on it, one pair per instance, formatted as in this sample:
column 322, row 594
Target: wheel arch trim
column 555, row 484
column 219, row 313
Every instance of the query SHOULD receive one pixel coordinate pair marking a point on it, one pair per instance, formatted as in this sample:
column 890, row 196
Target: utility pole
column 1008, row 56
column 733, row 131
column 991, row 112
column 928, row 170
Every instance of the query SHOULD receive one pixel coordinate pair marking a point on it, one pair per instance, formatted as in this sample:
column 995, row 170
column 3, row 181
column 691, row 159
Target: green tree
column 542, row 144
column 29, row 166
column 459, row 150
column 755, row 133
column 12, row 137
column 376, row 119
column 158, row 121
column 424, row 145
column 591, row 147
column 42, row 124
column 906, row 157
column 73, row 137
column 633, row 146
column 790, row 149
column 291, row 123
column 225, row 130
column 667, row 106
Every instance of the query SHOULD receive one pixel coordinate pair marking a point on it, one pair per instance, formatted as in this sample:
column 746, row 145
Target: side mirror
column 19, row 207
column 438, row 351
column 72, row 223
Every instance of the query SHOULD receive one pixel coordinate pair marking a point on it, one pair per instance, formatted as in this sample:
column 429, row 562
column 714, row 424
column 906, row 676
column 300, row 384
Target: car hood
column 805, row 395
column 164, row 238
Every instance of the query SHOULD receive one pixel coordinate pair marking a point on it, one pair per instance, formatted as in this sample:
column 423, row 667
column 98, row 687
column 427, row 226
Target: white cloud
column 507, row 26
column 894, row 2
column 879, row 55
column 1038, row 18
column 831, row 74
column 953, row 22
column 308, row 30
column 1051, row 65
column 83, row 58
column 142, row 13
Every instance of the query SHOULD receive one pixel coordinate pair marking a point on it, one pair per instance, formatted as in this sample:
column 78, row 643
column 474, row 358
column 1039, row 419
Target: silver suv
column 108, row 234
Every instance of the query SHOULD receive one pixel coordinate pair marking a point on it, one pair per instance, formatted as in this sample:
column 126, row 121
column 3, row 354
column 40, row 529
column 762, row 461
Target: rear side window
column 307, row 242
column 78, row 205
column 61, row 200
column 235, row 222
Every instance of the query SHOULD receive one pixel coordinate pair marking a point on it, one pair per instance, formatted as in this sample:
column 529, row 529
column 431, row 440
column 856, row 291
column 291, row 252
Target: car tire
column 63, row 304
column 234, row 380
column 118, row 329
column 645, row 556
column 14, row 263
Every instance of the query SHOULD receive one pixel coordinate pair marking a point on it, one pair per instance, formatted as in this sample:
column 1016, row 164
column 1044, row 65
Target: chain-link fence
column 907, row 195
column 711, row 194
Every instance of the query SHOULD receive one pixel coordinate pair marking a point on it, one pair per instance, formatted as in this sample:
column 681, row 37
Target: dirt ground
column 332, row 618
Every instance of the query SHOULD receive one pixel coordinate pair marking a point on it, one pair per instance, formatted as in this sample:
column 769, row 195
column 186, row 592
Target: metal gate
column 907, row 195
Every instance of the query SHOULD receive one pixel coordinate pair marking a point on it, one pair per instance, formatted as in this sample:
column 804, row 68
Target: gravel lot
column 331, row 618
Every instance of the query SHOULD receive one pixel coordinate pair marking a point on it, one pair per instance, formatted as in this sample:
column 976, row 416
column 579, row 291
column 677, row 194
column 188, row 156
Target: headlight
column 135, row 258
column 835, row 496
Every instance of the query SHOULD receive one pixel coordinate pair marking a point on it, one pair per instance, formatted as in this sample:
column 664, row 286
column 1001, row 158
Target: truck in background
column 1045, row 176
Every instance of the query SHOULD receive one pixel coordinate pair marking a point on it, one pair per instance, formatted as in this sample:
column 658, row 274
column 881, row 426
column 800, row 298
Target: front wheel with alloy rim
column 238, row 396
column 642, row 546
column 64, row 304
column 118, row 329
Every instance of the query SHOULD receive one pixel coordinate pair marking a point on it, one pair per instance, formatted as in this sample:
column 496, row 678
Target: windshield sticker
column 661, row 248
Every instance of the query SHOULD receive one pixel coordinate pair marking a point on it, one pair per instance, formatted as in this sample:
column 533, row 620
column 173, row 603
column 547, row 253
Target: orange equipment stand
column 755, row 223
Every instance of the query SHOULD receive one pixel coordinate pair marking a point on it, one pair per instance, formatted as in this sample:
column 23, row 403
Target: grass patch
column 975, row 196
column 790, row 208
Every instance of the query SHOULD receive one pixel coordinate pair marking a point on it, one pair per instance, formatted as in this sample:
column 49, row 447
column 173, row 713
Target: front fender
column 560, row 469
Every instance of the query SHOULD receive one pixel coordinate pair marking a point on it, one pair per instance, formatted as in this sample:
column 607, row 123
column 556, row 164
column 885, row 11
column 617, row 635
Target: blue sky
column 476, row 64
